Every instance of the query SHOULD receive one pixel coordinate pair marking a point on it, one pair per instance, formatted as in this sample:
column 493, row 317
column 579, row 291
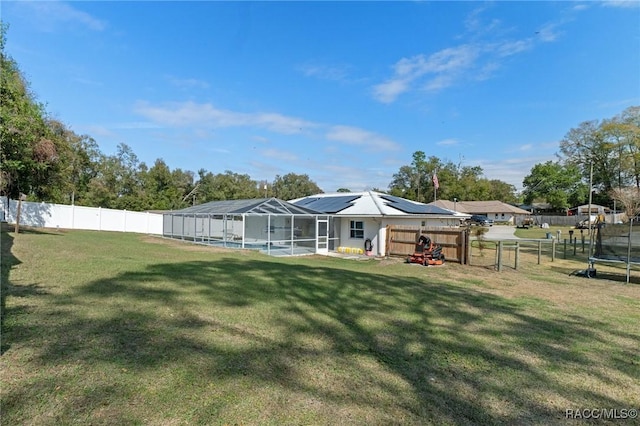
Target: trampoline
column 617, row 243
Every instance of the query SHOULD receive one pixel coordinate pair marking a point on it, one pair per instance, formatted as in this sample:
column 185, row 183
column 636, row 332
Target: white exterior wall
column 45, row 215
column 371, row 227
column 502, row 217
column 375, row 229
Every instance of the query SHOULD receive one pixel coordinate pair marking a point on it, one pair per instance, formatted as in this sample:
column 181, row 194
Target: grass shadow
column 269, row 321
column 7, row 261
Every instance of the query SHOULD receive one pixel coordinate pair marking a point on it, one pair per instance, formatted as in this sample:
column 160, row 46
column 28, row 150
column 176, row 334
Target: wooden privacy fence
column 401, row 241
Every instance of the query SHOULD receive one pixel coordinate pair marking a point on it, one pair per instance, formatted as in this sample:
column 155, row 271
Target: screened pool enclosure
column 270, row 225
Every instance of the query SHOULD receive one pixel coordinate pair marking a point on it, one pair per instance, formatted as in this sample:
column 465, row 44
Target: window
column 356, row 229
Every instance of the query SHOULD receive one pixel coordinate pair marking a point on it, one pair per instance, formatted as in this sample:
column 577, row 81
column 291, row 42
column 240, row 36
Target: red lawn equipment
column 427, row 253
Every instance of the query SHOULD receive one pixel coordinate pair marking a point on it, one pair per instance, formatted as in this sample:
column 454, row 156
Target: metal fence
column 511, row 254
column 554, row 220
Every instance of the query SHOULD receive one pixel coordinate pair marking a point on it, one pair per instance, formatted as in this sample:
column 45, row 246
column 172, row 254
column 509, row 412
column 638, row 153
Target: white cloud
column 450, row 59
column 325, row 72
column 443, row 65
column 97, row 130
column 474, row 23
column 621, row 3
column 486, row 71
column 280, row 123
column 447, row 142
column 439, row 82
column 48, row 14
column 219, row 150
column 389, row 91
column 260, row 139
column 356, row 136
column 548, row 33
column 136, row 125
column 280, row 155
column 509, row 48
column 206, row 115
column 476, row 60
column 511, row 170
column 187, row 83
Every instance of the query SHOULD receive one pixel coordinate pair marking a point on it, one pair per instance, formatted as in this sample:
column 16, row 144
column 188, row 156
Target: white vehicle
column 583, row 224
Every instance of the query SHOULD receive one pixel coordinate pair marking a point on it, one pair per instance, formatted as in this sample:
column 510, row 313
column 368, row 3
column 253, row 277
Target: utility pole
column 21, row 198
column 589, row 212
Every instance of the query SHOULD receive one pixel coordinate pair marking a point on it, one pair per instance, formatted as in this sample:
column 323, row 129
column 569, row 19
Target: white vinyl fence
column 44, row 215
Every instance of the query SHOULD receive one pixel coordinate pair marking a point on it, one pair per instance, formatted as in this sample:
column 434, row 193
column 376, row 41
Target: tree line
column 44, row 159
column 454, row 181
column 604, row 153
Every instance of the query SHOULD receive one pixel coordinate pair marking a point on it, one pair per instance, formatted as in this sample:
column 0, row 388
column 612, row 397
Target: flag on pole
column 436, row 185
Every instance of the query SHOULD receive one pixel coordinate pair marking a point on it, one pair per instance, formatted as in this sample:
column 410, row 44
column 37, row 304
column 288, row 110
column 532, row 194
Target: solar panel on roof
column 330, row 204
column 306, row 201
column 412, row 208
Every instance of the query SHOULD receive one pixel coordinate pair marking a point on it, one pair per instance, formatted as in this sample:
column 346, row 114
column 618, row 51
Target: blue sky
column 342, row 91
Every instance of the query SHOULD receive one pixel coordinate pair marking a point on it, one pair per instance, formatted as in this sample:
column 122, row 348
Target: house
column 315, row 224
column 584, row 210
column 361, row 218
column 496, row 210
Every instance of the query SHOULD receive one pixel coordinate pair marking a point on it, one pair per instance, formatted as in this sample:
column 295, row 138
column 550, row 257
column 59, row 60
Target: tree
column 164, row 189
column 402, row 184
column 559, row 185
column 502, row 191
column 586, row 145
column 292, row 186
column 118, row 183
column 624, row 133
column 343, row 190
column 612, row 146
column 414, row 182
column 183, row 181
column 629, row 197
column 226, row 186
column 28, row 155
column 79, row 158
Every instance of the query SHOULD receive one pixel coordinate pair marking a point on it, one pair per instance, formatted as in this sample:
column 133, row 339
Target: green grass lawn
column 111, row 328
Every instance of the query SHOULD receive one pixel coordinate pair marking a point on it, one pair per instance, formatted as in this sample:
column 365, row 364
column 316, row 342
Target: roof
column 479, row 207
column 368, row 203
column 594, row 208
column 255, row 206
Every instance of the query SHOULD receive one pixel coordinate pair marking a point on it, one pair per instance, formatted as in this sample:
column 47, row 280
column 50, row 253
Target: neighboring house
column 584, row 210
column 496, row 210
column 362, row 216
column 540, row 208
